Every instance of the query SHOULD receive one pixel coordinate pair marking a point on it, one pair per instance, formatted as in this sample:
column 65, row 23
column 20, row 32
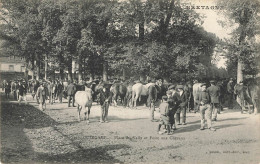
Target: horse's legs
column 88, row 114
column 242, row 105
column 79, row 109
column 133, row 99
column 115, row 100
column 137, row 96
column 254, row 105
column 249, row 108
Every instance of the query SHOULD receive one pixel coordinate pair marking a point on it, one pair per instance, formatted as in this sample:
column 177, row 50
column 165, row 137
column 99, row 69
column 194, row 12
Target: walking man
column 203, row 99
column 22, row 92
column 7, row 89
column 14, row 88
column 105, row 100
column 214, row 93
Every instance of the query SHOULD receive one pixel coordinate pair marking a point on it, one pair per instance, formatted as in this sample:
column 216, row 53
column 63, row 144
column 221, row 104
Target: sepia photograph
column 130, row 81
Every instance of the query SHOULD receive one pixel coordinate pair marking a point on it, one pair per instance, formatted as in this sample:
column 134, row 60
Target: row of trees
column 155, row 38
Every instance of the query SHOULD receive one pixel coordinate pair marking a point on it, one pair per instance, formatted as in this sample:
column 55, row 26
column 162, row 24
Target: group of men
column 17, row 88
column 174, row 104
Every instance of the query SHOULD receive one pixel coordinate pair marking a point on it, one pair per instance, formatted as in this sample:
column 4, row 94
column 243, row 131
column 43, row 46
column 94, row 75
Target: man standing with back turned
column 214, row 93
column 71, row 90
column 203, row 100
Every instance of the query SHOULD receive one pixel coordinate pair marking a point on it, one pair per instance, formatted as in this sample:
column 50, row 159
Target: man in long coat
column 71, row 91
column 182, row 106
column 214, row 93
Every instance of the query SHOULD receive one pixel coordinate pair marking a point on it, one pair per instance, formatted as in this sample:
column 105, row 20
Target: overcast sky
column 211, row 22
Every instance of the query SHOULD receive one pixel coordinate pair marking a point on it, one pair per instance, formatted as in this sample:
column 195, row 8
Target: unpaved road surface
column 29, row 135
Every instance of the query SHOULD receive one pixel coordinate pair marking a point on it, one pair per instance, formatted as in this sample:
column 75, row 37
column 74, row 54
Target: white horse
column 84, row 100
column 139, row 90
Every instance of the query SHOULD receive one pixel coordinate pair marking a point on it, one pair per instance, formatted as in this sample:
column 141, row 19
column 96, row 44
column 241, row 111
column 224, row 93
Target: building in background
column 12, row 68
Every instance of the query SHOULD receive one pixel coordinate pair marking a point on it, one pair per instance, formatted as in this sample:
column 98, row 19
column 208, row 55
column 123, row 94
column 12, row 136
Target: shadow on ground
column 94, row 155
column 16, row 147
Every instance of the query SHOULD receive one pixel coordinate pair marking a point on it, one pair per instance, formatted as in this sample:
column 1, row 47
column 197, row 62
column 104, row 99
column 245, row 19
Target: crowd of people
column 175, row 101
column 174, row 104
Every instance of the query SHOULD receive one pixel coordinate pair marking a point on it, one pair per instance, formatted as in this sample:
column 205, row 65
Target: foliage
column 244, row 18
column 154, row 38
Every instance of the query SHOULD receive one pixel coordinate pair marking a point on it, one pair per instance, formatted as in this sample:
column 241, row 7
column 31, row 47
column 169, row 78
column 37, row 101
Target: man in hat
column 41, row 96
column 183, row 104
column 221, row 94
column 230, row 92
column 173, row 101
column 7, row 89
column 214, row 93
column 203, row 99
column 60, row 89
column 105, row 100
column 71, row 91
column 22, row 92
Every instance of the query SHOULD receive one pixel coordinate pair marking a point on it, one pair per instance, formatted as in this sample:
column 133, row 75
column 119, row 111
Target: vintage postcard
column 130, row 81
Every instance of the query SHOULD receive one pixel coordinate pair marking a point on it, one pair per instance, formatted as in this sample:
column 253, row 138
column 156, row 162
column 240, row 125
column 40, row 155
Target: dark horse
column 119, row 89
column 249, row 93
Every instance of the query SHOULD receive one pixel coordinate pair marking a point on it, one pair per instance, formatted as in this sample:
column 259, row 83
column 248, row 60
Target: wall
column 17, row 67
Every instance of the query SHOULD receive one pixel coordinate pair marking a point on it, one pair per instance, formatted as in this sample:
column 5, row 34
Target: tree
column 242, row 48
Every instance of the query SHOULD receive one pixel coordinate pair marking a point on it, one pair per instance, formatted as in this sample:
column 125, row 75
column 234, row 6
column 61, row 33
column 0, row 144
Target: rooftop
column 11, row 59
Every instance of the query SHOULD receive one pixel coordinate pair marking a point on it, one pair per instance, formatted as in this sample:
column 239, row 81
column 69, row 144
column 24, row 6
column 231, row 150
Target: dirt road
column 29, row 135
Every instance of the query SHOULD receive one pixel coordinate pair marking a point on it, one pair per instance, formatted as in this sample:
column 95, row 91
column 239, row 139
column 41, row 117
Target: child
column 164, row 111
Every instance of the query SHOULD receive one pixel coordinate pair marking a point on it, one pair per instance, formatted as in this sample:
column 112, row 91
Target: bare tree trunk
column 239, row 71
column 26, row 73
column 61, row 73
column 32, row 74
column 91, row 76
column 105, row 67
column 38, row 69
column 80, row 68
column 32, row 68
column 70, row 78
column 45, row 67
column 141, row 30
column 61, row 65
column 124, row 74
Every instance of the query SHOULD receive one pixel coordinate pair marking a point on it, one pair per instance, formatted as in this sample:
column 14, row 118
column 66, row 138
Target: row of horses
column 132, row 92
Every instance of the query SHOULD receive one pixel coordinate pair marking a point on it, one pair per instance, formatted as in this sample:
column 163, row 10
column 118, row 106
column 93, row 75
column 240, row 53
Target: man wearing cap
column 183, row 103
column 41, row 96
column 22, row 92
column 203, row 99
column 60, row 89
column 71, row 90
column 214, row 93
column 230, row 91
column 105, row 100
column 173, row 103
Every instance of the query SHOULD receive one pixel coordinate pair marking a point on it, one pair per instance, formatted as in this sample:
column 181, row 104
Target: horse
column 139, row 90
column 84, row 100
column 118, row 89
column 248, row 94
column 128, row 96
column 196, row 88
